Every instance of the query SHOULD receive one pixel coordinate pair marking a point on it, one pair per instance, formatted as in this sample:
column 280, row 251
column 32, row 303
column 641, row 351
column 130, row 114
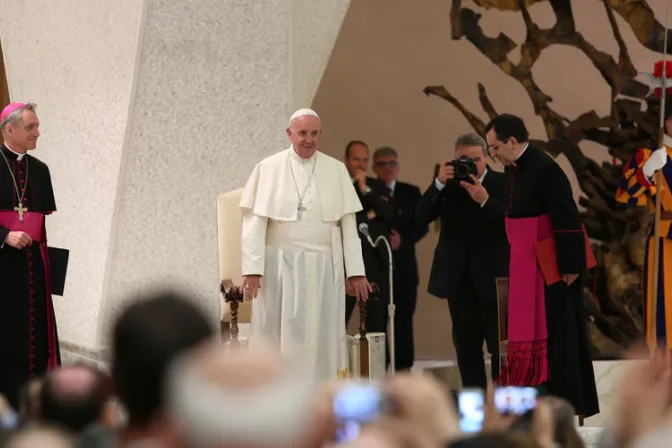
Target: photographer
column 472, row 251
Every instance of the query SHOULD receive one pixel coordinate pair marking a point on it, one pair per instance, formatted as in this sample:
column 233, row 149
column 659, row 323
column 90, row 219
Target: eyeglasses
column 489, row 149
column 388, row 164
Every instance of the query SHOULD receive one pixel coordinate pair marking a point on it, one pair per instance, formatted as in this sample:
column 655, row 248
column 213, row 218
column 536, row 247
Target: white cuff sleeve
column 352, row 247
column 253, row 245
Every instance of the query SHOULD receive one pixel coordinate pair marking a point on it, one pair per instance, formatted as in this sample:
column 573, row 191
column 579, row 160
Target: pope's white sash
column 339, row 282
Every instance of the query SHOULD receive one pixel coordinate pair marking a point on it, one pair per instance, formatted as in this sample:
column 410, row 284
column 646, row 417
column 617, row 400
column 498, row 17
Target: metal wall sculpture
column 615, row 319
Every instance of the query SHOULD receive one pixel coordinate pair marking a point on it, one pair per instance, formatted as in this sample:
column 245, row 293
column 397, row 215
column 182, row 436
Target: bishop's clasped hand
column 18, row 239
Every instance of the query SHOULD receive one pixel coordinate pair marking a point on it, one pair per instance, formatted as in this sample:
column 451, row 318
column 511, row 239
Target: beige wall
column 389, row 50
column 136, row 161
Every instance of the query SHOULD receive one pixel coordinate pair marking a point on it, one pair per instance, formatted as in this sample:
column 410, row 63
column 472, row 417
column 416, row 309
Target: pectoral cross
column 21, row 209
column 300, row 209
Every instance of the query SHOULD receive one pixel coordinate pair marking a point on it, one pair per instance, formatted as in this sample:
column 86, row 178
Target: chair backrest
column 229, row 236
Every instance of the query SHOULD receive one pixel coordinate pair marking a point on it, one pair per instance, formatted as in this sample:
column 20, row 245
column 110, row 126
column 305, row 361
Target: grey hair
column 385, row 151
column 14, row 117
column 470, row 139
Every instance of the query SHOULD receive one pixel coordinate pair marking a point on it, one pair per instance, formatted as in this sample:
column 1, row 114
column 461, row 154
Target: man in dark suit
column 472, row 251
column 377, row 213
column 404, row 235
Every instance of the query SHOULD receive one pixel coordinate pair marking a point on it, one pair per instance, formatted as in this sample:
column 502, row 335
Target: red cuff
column 641, row 178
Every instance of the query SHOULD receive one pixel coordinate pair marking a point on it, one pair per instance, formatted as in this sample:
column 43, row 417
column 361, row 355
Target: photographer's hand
column 476, row 190
column 446, row 172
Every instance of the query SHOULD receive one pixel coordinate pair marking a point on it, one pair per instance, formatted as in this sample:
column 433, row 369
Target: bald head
column 74, row 381
column 74, row 397
column 266, row 401
column 40, row 437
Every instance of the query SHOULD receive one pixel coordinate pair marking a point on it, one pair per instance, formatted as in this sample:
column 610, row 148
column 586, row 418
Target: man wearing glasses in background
column 405, row 233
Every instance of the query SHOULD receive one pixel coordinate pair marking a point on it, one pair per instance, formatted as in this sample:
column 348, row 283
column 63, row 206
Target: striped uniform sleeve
column 633, row 186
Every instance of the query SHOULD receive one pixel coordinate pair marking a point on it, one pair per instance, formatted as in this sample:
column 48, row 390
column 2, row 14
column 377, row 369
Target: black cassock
column 539, row 187
column 28, row 335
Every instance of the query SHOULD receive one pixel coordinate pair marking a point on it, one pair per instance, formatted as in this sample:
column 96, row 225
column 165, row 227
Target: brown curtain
column 4, row 91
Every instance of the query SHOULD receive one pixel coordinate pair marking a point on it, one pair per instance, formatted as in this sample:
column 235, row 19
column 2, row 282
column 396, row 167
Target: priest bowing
column 299, row 242
column 28, row 336
column 547, row 327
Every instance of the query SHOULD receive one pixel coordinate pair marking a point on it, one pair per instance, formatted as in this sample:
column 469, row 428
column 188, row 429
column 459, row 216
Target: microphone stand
column 391, row 306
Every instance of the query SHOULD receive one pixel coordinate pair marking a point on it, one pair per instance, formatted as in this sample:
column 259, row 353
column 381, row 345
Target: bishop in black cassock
column 28, row 336
column 547, row 327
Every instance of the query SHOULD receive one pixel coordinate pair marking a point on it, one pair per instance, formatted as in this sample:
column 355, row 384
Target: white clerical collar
column 392, row 184
column 480, row 179
column 294, row 156
column 18, row 156
column 667, row 141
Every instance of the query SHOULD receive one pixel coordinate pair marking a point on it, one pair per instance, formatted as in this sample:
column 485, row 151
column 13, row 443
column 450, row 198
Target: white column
column 149, row 110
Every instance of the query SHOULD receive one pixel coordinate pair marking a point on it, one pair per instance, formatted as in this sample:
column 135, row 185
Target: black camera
column 464, row 167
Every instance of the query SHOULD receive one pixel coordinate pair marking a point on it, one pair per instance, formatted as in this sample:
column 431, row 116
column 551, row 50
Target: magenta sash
column 527, row 353
column 33, row 225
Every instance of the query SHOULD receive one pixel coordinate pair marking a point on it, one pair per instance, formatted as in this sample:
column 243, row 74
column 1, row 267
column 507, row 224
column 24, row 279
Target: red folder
column 548, row 259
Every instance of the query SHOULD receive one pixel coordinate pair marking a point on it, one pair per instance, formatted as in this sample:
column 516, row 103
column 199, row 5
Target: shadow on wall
column 4, row 89
column 584, row 55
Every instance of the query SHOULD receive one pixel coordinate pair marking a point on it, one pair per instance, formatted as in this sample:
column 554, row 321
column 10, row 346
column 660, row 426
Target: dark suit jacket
column 405, row 199
column 378, row 201
column 472, row 238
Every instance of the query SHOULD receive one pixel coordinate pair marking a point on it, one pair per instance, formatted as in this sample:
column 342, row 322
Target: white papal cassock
column 303, row 256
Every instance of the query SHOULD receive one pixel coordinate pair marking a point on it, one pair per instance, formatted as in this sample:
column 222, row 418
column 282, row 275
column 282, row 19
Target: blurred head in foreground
column 240, row 398
column 146, row 337
column 42, row 437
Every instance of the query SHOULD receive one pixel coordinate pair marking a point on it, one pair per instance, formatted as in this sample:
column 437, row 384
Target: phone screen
column 515, row 400
column 354, row 406
column 470, row 404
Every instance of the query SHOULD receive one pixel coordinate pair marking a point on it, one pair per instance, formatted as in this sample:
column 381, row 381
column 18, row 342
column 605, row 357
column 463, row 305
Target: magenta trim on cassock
column 34, row 225
column 527, row 353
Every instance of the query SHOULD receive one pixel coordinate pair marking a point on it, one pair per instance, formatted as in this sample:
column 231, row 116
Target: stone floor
column 591, row 435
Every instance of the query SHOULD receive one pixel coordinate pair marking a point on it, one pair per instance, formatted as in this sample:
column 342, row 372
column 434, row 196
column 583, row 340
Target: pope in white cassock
column 299, row 241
